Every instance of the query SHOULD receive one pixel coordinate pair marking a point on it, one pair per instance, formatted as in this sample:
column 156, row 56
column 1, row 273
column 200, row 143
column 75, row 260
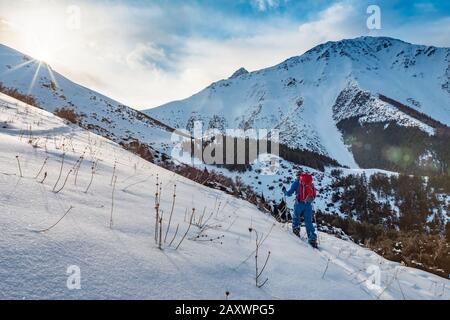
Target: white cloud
column 434, row 33
column 146, row 55
column 263, row 5
column 425, row 7
column 335, row 22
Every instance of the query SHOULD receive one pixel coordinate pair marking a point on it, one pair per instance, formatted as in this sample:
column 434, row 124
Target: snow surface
column 124, row 262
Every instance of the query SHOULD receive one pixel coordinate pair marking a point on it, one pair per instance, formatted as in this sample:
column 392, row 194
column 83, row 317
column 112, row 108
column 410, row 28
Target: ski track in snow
column 124, row 262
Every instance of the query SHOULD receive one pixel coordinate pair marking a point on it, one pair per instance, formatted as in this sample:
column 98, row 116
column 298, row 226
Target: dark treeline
column 307, row 158
column 297, row 156
column 441, row 128
column 400, row 217
column 392, row 147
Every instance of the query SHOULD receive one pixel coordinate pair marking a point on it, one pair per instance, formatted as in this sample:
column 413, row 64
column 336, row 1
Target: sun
column 43, row 54
column 41, row 40
column 41, row 34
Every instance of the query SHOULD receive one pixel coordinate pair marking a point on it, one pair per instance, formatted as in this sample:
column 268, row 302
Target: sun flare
column 40, row 33
column 40, row 39
column 42, row 54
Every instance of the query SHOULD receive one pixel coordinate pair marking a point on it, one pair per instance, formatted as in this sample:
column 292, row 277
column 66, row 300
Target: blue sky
column 145, row 53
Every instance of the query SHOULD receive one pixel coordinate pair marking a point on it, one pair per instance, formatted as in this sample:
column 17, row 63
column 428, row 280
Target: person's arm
column 294, row 187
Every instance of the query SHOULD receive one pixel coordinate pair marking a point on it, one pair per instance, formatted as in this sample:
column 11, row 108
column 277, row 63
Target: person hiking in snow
column 305, row 194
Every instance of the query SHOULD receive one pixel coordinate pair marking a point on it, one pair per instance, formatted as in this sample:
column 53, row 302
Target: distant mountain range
column 312, row 98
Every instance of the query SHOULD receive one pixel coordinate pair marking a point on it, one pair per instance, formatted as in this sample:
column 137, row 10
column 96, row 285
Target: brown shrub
column 139, row 148
column 67, row 114
column 14, row 93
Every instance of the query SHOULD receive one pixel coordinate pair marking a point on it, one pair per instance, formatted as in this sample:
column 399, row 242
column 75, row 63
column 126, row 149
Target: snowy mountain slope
column 298, row 95
column 124, row 261
column 100, row 114
column 353, row 102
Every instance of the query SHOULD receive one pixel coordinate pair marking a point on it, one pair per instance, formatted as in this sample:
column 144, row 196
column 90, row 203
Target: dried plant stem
column 157, row 189
column 45, row 144
column 20, row 168
column 114, row 173
column 156, row 209
column 30, row 135
column 94, row 165
column 65, row 214
column 45, row 177
column 77, row 166
column 156, row 223
column 326, row 268
column 160, row 192
column 71, row 144
column 160, row 230
column 60, row 171
column 42, row 168
column 65, row 181
column 258, row 272
column 262, row 241
column 171, row 211
column 175, row 235
column 232, row 223
column 112, row 202
column 77, row 169
column 187, row 231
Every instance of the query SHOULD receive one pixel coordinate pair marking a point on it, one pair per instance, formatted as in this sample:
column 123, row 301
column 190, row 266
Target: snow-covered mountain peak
column 299, row 95
column 238, row 73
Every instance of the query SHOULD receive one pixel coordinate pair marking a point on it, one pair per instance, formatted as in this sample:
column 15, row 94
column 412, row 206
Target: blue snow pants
column 304, row 209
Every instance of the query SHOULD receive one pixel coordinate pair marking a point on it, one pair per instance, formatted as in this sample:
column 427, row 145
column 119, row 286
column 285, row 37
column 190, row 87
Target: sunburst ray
column 17, row 67
column 36, row 74
column 52, row 75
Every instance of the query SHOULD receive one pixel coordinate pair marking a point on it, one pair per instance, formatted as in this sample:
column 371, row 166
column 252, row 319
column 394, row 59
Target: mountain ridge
column 301, row 91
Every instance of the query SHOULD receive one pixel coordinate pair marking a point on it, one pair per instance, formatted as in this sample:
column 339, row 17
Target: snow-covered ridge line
column 354, row 102
column 123, row 261
column 423, row 118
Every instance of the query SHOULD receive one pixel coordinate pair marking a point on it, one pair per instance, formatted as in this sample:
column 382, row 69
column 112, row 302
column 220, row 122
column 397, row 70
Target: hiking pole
column 284, row 209
column 281, row 213
column 317, row 227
